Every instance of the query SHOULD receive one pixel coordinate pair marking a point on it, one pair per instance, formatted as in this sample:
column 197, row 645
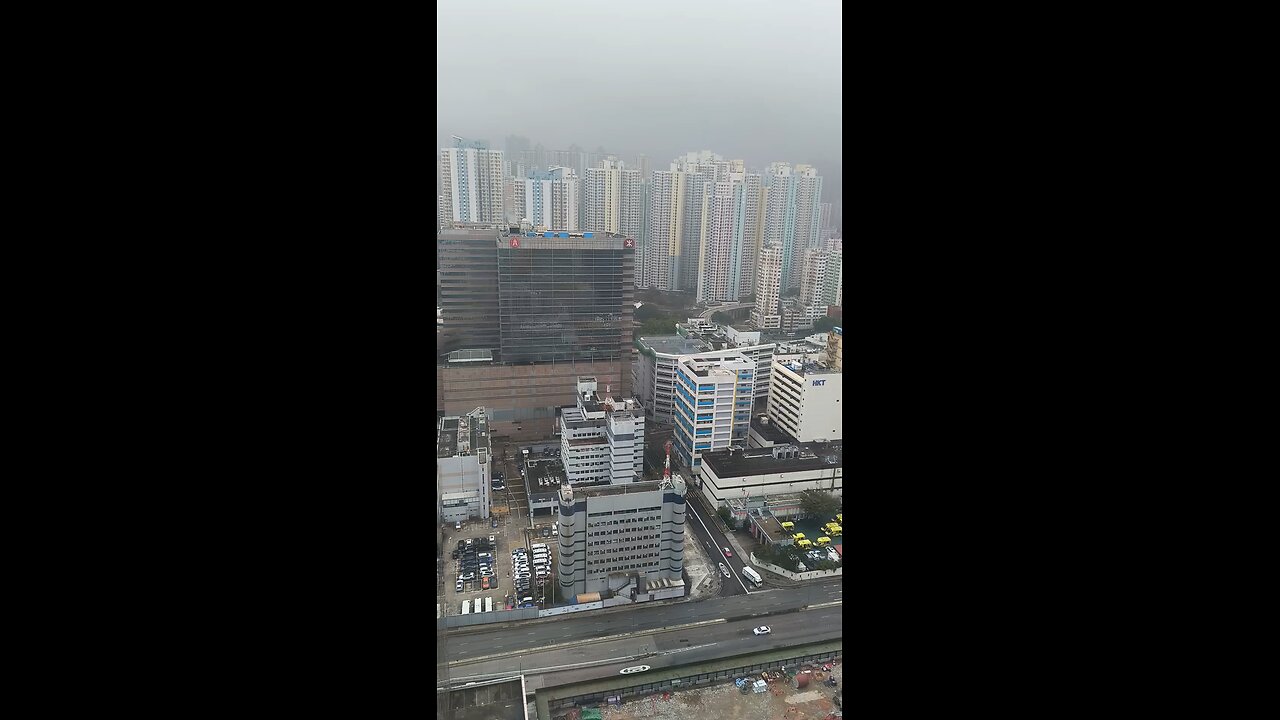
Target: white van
column 752, row 575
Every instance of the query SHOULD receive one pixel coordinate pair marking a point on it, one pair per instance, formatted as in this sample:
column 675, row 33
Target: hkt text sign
column 819, row 383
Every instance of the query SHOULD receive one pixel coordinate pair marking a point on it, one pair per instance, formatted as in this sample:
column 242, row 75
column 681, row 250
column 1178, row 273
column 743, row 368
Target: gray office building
column 468, row 270
column 525, row 314
column 565, row 296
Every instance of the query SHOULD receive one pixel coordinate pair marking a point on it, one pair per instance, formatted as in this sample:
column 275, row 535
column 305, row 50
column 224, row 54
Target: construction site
column 797, row 683
column 808, row 692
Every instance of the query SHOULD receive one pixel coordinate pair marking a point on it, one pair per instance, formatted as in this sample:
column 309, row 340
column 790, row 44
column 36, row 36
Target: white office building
column 464, row 460
column 730, row 235
column 626, row 540
column 820, row 282
column 548, row 200
column 713, row 404
column 611, row 196
column 472, row 178
column 805, row 398
column 767, row 314
column 675, row 220
column 653, row 372
column 602, row 440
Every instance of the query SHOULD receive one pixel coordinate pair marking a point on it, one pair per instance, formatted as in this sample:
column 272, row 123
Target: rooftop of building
column 593, row 403
column 549, row 468
column 762, row 461
column 770, row 430
column 488, row 701
column 608, row 490
column 463, row 435
column 718, row 371
column 771, row 526
column 810, row 366
column 674, row 344
column 588, row 234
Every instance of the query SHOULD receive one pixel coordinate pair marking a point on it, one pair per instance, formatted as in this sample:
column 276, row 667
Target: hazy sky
column 747, row 79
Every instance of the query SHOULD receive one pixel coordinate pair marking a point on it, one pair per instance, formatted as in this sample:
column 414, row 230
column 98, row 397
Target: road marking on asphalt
column 587, row 641
column 704, row 527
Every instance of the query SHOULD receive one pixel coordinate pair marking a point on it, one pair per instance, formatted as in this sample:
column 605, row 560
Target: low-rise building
column 621, row 539
column 464, row 460
column 543, row 479
column 771, row 478
column 602, row 440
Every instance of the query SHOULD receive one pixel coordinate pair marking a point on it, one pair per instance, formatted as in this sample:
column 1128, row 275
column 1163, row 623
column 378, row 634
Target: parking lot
column 513, row 530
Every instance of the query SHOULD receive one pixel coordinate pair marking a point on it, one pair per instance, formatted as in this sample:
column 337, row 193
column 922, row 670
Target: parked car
column 467, row 576
column 762, row 630
column 494, row 523
column 484, row 584
column 458, row 587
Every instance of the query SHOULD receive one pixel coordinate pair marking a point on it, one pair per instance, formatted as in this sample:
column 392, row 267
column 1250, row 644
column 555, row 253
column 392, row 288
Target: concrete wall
column 485, row 618
column 715, row 490
column 569, row 609
column 811, row 575
column 511, row 393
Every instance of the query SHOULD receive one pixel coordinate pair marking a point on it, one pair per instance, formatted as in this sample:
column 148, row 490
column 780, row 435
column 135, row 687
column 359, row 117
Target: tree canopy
column 824, row 324
column 819, row 504
column 648, row 311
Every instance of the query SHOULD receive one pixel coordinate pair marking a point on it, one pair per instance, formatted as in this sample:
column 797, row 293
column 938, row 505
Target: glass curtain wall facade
column 468, row 296
column 566, row 298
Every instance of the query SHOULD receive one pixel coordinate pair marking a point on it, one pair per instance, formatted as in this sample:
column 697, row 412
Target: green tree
column 721, row 318
column 664, row 325
column 648, row 311
column 819, row 504
column 725, row 515
column 824, row 324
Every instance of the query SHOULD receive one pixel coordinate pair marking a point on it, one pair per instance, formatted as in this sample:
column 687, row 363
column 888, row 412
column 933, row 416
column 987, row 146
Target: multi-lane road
column 572, row 660
column 703, row 530
column 532, row 635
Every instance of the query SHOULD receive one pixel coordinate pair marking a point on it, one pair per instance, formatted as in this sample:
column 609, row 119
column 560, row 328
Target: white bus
column 466, row 607
column 752, row 575
column 488, row 604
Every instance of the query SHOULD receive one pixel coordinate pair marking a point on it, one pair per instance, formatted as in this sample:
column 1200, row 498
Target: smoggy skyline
column 746, row 79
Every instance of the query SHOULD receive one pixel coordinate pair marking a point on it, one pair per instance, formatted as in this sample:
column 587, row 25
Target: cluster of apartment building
column 704, row 224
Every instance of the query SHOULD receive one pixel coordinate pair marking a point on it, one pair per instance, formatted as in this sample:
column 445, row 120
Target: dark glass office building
column 567, row 297
column 468, row 294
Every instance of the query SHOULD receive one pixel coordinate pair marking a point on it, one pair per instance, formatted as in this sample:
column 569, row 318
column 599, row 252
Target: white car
column 762, row 630
column 458, row 587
